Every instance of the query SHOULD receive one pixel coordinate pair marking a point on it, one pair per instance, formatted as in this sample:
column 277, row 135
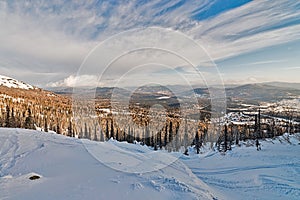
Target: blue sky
column 44, row 42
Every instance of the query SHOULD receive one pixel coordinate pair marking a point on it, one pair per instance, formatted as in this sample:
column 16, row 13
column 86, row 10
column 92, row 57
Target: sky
column 47, row 43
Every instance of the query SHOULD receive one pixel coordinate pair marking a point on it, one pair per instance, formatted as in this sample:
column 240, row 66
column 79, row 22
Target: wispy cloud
column 292, row 68
column 55, row 36
column 255, row 25
column 266, row 62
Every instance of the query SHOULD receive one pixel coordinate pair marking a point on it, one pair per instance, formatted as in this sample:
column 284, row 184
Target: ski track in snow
column 8, row 155
column 245, row 173
column 243, row 169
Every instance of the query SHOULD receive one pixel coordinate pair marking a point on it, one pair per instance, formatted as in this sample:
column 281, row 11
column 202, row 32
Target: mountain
column 99, row 92
column 12, row 83
column 269, row 92
column 284, row 85
column 61, row 90
column 26, row 106
column 262, row 92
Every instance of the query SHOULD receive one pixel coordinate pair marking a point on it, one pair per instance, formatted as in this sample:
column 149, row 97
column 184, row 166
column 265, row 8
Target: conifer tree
column 171, row 133
column 159, row 140
column 154, row 142
column 197, row 142
column 101, row 135
column 225, row 139
column 58, row 130
column 85, row 131
column 147, row 135
column 107, row 131
column 12, row 119
column 112, row 133
column 259, row 126
column 117, row 135
column 185, row 138
column 177, row 139
column 29, row 124
column 7, row 119
column 95, row 133
column 45, row 125
column 166, row 136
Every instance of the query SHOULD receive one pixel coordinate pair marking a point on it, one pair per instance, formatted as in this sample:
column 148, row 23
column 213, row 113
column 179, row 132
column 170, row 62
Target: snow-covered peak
column 13, row 83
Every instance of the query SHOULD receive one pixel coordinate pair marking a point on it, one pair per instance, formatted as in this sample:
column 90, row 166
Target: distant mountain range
column 284, row 85
column 52, row 110
column 263, row 92
column 268, row 92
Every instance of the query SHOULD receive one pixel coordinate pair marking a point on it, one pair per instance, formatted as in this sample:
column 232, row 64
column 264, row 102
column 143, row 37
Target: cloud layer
column 48, row 40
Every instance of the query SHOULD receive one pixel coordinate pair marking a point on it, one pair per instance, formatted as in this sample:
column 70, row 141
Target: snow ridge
column 13, row 83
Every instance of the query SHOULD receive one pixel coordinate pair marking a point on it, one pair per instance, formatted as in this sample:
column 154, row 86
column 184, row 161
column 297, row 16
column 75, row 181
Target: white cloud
column 76, row 81
column 22, row 37
column 246, row 80
column 54, row 37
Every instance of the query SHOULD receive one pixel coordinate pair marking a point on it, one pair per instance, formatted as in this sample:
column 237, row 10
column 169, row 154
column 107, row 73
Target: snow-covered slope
column 12, row 83
column 68, row 171
column 245, row 173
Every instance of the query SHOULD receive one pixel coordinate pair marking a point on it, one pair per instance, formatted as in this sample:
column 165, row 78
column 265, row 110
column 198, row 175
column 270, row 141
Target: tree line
column 51, row 113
